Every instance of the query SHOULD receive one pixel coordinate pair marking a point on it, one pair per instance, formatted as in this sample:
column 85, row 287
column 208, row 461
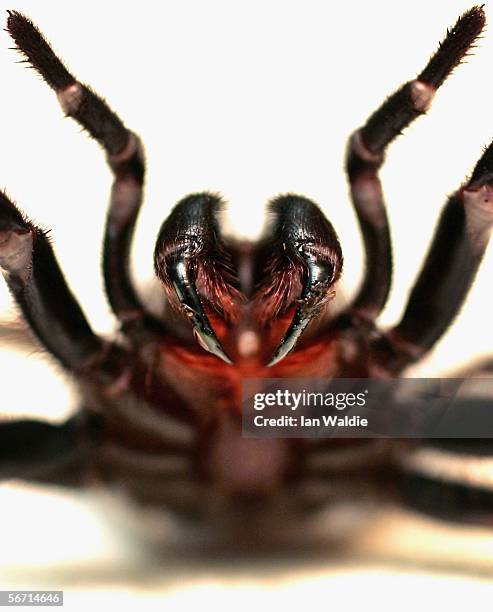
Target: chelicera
column 160, row 406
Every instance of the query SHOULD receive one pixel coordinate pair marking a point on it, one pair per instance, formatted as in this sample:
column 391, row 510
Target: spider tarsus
column 32, row 44
column 414, row 98
column 77, row 100
column 454, row 47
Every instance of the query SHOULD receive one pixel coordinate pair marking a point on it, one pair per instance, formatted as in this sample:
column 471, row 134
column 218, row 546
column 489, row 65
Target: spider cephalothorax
column 160, row 406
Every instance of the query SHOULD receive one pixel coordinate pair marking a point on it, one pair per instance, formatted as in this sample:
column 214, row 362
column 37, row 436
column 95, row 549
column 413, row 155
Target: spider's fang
column 189, row 298
column 315, row 295
column 297, row 327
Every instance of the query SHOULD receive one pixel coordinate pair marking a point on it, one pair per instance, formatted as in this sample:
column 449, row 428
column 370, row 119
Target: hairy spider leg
column 39, row 288
column 31, row 449
column 451, row 478
column 445, row 478
column 37, row 283
column 447, row 274
column 41, row 452
column 366, row 154
column 65, row 453
column 125, row 158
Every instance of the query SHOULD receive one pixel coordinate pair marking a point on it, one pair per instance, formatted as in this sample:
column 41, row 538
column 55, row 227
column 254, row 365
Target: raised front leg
column 366, row 155
column 125, row 158
column 453, row 259
column 39, row 288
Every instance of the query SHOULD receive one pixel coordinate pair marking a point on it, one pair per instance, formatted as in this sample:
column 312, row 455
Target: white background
column 250, row 99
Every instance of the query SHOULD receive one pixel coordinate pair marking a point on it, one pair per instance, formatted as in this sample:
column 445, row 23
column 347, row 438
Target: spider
column 160, row 405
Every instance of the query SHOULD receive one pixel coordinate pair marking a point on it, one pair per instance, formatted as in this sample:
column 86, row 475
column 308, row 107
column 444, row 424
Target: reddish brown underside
column 204, row 381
